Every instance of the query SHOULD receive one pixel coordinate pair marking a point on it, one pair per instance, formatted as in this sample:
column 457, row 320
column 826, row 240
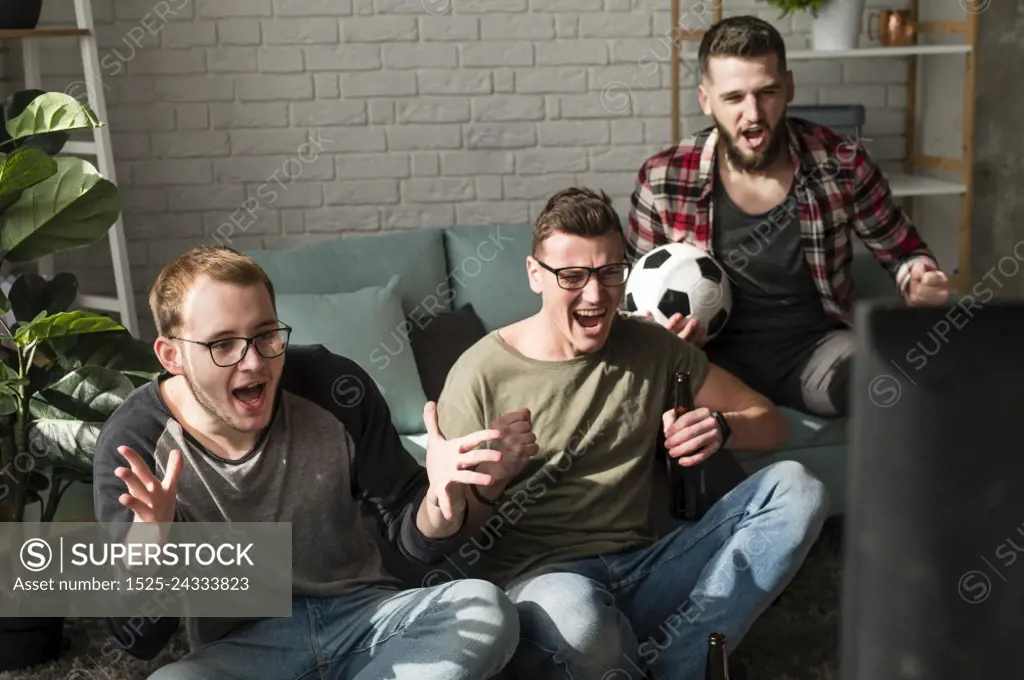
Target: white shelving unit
column 932, row 178
column 123, row 303
column 908, row 186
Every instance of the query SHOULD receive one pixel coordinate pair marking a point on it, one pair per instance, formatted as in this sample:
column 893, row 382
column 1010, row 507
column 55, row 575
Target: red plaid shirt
column 839, row 189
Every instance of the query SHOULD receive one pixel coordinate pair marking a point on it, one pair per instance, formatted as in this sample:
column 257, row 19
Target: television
column 933, row 583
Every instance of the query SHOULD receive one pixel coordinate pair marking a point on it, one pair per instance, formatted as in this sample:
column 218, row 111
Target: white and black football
column 679, row 277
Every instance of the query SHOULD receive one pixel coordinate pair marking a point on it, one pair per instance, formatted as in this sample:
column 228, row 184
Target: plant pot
column 19, row 14
column 837, row 25
column 27, row 642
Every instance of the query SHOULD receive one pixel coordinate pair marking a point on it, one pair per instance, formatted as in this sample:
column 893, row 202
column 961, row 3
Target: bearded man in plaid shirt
column 776, row 201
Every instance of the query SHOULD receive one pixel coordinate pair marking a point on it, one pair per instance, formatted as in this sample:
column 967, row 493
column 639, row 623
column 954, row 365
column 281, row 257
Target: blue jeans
column 648, row 612
column 465, row 630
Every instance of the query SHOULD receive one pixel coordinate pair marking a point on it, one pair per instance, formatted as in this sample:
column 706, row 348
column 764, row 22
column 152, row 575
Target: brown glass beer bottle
column 688, row 495
column 717, row 667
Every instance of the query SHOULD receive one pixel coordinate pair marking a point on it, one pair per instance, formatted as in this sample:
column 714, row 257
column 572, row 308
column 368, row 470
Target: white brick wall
column 429, row 112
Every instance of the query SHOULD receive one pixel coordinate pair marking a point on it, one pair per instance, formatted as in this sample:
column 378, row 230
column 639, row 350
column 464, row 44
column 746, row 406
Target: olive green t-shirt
column 597, row 419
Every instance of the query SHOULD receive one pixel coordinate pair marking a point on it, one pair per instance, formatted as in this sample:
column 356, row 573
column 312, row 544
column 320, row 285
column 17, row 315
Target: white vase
column 837, row 26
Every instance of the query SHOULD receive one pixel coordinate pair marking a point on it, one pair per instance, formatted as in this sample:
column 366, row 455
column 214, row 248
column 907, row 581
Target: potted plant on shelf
column 63, row 371
column 20, row 14
column 835, row 24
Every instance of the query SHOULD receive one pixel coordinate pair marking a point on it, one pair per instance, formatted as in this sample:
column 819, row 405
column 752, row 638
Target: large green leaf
column 23, row 168
column 74, row 208
column 68, row 415
column 50, row 142
column 117, row 350
column 31, row 294
column 5, row 304
column 52, row 112
column 64, row 323
column 7, row 201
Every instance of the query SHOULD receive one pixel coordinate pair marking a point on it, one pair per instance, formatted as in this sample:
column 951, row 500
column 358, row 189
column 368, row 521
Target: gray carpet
column 796, row 639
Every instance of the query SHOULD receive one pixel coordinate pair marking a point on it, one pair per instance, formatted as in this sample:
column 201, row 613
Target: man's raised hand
column 149, row 498
column 449, row 461
column 928, row 286
column 685, row 327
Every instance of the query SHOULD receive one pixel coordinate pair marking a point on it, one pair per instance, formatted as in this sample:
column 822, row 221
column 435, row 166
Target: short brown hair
column 219, row 263
column 576, row 211
column 743, row 36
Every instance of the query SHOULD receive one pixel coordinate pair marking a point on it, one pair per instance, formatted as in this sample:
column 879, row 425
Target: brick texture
column 366, row 115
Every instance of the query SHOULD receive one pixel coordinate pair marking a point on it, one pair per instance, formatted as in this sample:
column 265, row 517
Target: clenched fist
column 517, row 445
column 927, row 287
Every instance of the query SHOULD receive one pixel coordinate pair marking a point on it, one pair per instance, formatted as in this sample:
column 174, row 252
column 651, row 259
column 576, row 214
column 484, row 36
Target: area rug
column 797, row 638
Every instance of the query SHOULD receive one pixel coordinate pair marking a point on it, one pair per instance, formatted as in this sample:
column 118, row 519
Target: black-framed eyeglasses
column 575, row 278
column 227, row 352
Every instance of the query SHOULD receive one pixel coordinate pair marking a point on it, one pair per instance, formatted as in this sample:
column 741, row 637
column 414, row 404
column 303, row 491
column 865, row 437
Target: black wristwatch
column 723, row 424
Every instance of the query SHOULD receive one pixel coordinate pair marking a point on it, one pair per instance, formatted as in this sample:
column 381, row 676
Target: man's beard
column 209, row 404
column 760, row 160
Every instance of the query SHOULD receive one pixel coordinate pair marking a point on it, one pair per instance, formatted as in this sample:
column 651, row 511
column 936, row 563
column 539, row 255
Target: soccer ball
column 679, row 277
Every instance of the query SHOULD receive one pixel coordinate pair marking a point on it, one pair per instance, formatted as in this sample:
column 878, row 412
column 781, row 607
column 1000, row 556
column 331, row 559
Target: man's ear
column 790, row 87
column 169, row 355
column 533, row 273
column 704, row 97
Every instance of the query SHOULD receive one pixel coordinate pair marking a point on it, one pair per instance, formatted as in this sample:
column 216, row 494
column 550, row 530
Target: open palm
column 151, row 500
column 449, row 462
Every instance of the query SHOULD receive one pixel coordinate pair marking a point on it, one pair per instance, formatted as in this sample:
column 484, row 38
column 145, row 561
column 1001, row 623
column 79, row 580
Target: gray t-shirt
column 318, row 465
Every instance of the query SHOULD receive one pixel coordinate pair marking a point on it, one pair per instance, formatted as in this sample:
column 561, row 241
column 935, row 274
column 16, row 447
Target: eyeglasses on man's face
column 227, row 352
column 575, row 278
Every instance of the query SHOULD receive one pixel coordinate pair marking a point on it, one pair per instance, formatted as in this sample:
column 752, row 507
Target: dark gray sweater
column 312, row 466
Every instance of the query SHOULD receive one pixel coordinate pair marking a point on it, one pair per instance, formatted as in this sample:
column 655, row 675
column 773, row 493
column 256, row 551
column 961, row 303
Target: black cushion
column 440, row 342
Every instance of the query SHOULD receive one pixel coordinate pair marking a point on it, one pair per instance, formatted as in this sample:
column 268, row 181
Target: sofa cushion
column 871, row 280
column 348, row 264
column 488, row 271
column 810, row 431
column 416, row 445
column 364, row 326
column 439, row 341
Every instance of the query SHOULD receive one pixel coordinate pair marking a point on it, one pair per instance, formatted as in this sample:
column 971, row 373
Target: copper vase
column 895, row 27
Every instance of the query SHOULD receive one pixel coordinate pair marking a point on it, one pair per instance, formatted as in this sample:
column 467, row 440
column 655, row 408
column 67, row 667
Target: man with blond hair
column 240, row 427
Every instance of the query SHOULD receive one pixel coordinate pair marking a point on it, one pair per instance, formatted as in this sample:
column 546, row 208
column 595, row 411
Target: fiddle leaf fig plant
column 63, row 371
column 49, row 204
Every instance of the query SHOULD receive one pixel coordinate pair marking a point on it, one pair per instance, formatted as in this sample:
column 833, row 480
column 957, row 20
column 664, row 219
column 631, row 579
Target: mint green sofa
column 485, row 266
column 445, row 268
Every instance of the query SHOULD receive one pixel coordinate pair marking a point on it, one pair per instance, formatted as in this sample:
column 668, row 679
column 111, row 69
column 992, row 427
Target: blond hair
column 219, row 263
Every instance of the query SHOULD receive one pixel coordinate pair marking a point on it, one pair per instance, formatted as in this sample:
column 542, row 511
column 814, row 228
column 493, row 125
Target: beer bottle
column 717, row 667
column 688, row 499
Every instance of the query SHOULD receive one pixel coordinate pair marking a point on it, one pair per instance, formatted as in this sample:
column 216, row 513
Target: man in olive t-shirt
column 599, row 596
